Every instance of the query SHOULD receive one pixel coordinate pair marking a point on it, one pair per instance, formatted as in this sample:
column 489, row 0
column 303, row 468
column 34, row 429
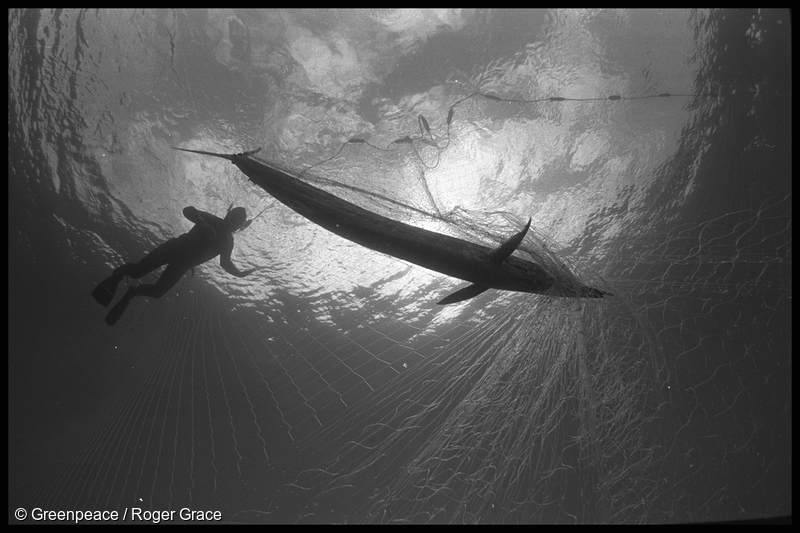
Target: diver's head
column 235, row 219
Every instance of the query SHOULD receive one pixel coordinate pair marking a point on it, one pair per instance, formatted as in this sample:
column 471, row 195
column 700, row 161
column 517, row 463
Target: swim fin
column 106, row 289
column 116, row 312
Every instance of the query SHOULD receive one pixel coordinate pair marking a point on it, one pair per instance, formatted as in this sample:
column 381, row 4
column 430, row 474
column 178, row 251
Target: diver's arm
column 193, row 215
column 203, row 230
column 227, row 265
column 199, row 217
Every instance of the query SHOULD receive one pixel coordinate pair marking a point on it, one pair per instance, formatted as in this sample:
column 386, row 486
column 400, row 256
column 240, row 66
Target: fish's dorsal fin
column 499, row 254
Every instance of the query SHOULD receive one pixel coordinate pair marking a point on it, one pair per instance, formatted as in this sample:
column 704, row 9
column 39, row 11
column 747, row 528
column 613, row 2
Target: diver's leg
column 171, row 275
column 169, row 278
column 163, row 254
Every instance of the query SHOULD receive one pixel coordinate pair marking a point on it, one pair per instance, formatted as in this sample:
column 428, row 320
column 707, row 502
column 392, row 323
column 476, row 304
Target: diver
column 210, row 237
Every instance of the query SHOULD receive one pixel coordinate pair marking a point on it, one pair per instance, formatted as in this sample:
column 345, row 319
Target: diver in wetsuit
column 210, row 237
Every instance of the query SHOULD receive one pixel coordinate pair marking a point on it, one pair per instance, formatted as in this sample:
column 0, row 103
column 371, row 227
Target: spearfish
column 483, row 267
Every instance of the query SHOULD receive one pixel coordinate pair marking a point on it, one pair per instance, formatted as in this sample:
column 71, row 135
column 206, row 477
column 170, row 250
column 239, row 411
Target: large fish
column 483, row 267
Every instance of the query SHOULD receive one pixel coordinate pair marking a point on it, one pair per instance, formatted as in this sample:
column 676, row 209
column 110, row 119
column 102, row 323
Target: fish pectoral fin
column 460, row 295
column 499, row 254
